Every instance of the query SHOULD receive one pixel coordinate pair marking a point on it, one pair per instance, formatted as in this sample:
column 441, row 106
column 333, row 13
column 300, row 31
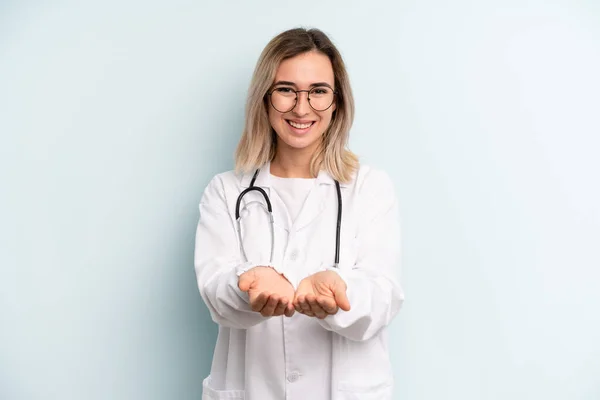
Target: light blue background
column 115, row 115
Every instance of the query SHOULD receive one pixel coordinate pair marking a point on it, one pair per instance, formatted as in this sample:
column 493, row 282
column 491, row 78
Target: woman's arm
column 373, row 288
column 218, row 264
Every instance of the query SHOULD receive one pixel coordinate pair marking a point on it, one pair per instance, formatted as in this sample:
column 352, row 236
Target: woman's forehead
column 306, row 69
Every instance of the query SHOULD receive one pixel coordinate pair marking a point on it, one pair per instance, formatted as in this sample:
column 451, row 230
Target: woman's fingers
column 308, row 313
column 297, row 305
column 269, row 308
column 315, row 307
column 289, row 310
column 303, row 307
column 270, row 305
column 327, row 304
column 304, row 304
column 259, row 302
column 281, row 307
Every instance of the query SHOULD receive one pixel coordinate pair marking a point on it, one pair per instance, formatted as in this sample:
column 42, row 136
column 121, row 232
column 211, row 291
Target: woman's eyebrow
column 321, row 84
column 288, row 83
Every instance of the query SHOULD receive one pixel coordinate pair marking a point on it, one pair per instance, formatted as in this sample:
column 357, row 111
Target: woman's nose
column 302, row 104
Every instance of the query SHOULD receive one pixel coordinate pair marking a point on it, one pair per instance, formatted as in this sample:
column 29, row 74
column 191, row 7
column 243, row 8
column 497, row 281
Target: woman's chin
column 300, row 143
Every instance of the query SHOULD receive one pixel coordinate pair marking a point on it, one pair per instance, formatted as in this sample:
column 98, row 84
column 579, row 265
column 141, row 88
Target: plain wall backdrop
column 115, row 115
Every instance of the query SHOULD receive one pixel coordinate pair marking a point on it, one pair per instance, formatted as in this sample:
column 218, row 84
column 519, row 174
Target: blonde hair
column 258, row 143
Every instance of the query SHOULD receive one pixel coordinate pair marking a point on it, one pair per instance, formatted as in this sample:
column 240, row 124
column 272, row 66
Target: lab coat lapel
column 312, row 208
column 281, row 217
column 316, row 201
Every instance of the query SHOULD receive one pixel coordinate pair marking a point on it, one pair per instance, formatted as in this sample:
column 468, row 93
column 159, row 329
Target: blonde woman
column 297, row 249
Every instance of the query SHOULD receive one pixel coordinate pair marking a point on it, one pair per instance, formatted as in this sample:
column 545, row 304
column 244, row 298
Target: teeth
column 300, row 126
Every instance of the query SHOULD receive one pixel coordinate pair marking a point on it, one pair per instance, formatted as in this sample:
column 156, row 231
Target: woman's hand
column 270, row 293
column 321, row 294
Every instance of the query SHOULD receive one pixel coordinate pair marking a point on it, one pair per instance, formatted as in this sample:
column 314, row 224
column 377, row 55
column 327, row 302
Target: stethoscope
column 269, row 210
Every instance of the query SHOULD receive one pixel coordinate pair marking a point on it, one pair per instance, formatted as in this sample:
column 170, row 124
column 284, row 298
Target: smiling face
column 301, row 128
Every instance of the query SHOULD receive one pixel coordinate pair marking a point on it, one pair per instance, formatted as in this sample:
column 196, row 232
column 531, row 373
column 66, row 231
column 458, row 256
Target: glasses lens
column 283, row 99
column 320, row 98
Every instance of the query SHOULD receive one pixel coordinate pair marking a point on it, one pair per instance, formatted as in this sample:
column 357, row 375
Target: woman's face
column 301, row 128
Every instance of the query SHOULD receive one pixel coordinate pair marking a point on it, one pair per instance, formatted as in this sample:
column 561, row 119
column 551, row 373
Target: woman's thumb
column 341, row 298
column 244, row 282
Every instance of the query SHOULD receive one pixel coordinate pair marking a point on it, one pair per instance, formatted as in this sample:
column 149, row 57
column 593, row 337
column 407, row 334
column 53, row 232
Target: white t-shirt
column 293, row 192
column 311, row 343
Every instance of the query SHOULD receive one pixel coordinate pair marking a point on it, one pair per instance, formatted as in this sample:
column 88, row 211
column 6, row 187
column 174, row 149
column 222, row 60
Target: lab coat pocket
column 208, row 393
column 365, row 370
column 352, row 391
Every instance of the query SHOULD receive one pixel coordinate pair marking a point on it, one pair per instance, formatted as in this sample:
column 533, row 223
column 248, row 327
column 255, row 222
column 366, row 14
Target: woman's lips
column 300, row 128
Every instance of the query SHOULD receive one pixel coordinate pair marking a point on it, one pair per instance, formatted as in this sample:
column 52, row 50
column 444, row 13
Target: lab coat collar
column 264, row 178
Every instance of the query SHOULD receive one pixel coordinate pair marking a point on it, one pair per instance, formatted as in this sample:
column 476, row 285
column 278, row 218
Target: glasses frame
column 270, row 94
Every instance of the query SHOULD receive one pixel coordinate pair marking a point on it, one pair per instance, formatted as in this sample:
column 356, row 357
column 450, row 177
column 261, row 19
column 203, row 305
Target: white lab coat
column 250, row 344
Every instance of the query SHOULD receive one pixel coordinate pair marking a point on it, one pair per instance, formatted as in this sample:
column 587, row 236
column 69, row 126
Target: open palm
column 269, row 292
column 321, row 294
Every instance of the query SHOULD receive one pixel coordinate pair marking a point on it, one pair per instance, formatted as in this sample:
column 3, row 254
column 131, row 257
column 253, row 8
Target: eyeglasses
column 284, row 98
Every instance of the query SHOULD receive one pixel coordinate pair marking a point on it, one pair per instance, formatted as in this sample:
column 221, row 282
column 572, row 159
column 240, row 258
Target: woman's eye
column 320, row 91
column 283, row 90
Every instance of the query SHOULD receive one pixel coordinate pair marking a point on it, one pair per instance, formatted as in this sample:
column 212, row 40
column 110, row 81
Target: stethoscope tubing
column 338, row 228
column 251, row 188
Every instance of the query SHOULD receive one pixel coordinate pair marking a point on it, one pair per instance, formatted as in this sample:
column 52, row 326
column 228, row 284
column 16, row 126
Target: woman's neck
column 291, row 165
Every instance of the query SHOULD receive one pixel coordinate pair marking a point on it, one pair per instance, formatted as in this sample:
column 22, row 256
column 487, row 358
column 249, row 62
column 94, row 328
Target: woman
column 304, row 316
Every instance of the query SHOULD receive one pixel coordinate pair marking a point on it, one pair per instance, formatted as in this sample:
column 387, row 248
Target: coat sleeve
column 373, row 286
column 217, row 262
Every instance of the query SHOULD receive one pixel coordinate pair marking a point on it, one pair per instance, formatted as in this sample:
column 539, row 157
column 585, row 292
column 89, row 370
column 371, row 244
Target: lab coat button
column 293, row 376
column 294, row 255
